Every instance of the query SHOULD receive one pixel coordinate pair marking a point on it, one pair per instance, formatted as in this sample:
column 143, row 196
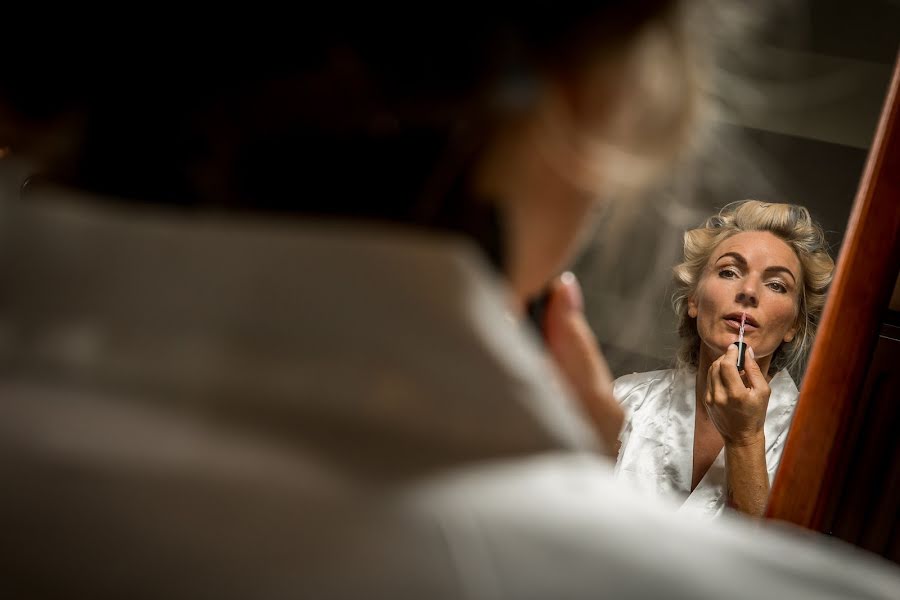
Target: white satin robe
column 656, row 455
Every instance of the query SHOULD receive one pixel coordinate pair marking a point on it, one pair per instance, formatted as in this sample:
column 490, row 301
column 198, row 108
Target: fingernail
column 750, row 351
column 573, row 291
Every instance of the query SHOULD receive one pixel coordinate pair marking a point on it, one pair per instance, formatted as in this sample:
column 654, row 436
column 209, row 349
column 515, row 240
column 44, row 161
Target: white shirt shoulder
column 631, row 390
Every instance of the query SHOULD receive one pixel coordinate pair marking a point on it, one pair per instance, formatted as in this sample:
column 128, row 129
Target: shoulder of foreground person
column 560, row 526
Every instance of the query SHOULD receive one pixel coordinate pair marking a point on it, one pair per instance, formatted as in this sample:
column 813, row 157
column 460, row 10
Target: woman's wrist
column 747, row 480
column 749, row 441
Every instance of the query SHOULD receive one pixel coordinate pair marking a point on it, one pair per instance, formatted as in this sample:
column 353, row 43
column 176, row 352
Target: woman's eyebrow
column 736, row 256
column 779, row 269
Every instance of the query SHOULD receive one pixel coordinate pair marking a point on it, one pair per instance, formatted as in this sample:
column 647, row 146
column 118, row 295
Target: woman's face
column 756, row 273
column 546, row 169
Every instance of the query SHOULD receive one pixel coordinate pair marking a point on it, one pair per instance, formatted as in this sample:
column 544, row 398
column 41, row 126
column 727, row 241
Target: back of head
column 370, row 115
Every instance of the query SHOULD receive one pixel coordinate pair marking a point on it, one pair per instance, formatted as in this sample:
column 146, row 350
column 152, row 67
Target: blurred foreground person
column 307, row 376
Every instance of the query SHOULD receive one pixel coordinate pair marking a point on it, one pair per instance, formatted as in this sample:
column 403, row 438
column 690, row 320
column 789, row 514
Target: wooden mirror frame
column 834, row 393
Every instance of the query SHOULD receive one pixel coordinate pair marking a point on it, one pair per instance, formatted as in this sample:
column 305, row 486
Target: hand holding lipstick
column 737, row 405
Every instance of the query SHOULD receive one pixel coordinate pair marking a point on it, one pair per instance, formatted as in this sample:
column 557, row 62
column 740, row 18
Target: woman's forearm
column 747, row 479
column 608, row 419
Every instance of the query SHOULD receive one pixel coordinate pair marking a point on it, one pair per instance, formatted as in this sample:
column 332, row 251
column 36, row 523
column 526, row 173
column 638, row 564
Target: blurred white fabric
column 197, row 407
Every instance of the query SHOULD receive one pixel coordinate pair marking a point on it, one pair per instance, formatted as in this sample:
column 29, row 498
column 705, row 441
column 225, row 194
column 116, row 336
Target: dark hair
column 373, row 115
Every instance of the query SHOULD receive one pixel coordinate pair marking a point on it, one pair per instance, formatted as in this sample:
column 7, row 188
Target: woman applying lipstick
column 707, row 431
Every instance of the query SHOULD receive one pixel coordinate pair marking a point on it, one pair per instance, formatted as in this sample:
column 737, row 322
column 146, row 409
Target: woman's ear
column 692, row 307
column 791, row 333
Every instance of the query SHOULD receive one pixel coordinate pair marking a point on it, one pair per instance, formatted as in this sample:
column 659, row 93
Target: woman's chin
column 716, row 349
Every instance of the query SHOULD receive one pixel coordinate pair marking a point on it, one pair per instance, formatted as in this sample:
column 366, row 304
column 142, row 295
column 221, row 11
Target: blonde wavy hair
column 792, row 224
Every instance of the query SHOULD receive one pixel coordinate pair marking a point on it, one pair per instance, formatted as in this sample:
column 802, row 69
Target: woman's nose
column 747, row 295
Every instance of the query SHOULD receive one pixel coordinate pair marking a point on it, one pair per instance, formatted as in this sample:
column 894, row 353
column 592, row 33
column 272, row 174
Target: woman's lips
column 736, row 325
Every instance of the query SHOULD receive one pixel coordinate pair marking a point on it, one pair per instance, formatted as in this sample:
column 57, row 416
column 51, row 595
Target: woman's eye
column 728, row 273
column 777, row 286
